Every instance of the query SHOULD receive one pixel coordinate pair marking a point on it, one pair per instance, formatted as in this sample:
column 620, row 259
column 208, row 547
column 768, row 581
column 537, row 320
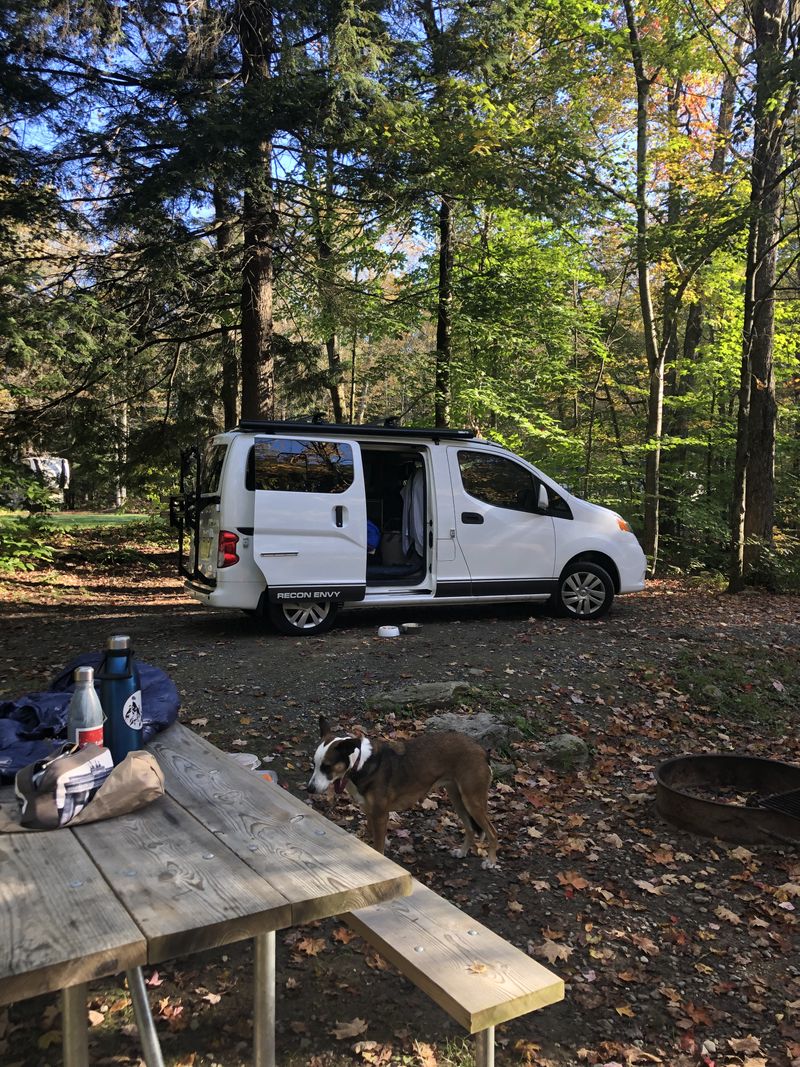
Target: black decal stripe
column 497, row 587
column 300, row 594
column 453, row 589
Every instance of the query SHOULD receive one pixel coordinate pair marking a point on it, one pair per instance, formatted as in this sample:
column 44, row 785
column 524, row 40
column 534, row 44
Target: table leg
column 264, row 1007
column 75, row 1026
column 144, row 1018
column 484, row 1047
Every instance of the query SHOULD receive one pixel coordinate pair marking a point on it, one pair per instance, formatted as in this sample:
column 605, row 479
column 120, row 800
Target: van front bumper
column 632, row 570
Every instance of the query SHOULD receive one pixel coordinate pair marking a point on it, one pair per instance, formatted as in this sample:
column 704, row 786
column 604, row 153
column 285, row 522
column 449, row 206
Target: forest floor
column 675, row 949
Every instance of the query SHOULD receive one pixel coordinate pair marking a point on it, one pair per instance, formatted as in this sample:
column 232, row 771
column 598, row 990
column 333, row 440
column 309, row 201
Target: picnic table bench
column 473, row 974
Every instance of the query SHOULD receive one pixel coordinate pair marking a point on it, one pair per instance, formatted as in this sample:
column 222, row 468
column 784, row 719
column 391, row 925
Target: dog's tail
column 479, row 832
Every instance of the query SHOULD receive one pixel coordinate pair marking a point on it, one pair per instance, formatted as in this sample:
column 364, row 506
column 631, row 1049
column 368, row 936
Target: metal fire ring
column 741, row 824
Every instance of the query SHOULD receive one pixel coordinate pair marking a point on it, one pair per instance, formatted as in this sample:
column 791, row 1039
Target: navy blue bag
column 33, row 726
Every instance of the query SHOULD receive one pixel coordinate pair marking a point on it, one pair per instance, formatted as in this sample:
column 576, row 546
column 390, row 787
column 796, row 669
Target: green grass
column 743, row 683
column 68, row 520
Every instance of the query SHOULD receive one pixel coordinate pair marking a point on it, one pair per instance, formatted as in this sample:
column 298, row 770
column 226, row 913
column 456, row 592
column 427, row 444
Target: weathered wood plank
column 471, row 972
column 60, row 924
column 315, row 864
column 181, row 885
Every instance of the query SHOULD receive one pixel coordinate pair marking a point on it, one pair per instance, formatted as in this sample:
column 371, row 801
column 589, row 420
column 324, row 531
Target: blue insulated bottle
column 121, row 697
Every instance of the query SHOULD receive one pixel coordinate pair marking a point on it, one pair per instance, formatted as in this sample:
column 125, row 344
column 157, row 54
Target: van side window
column 497, row 481
column 557, row 505
column 287, row 466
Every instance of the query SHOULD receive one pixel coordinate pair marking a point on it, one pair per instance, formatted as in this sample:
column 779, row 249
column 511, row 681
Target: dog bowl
column 388, row 631
column 410, row 627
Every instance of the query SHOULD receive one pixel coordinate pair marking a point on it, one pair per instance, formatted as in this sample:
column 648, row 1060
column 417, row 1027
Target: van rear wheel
column 585, row 591
column 303, row 620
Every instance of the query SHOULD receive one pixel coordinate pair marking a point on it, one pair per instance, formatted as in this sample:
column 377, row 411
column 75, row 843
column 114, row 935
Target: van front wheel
column 303, row 620
column 585, row 591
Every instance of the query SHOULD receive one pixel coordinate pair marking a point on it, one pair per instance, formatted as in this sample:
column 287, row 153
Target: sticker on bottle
column 132, row 711
column 92, row 735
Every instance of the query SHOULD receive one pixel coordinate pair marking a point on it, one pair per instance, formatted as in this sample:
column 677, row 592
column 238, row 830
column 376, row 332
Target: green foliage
column 20, row 489
column 25, row 544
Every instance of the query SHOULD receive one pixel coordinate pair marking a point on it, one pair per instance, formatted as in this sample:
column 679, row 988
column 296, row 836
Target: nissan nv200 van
column 294, row 521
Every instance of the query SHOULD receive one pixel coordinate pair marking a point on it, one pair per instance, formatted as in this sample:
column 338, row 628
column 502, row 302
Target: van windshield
column 213, row 458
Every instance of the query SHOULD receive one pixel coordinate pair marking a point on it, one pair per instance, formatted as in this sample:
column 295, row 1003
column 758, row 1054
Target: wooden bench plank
column 41, row 952
column 309, row 859
column 477, row 977
column 182, row 886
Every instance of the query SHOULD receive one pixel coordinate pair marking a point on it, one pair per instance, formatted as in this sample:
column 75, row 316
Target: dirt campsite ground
column 676, row 949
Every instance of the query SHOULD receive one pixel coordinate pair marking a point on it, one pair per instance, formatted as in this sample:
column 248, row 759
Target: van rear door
column 310, row 525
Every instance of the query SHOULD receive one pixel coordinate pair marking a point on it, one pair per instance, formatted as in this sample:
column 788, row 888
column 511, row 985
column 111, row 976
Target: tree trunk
column 653, row 350
column 752, row 511
column 444, row 322
column 230, row 361
column 259, row 217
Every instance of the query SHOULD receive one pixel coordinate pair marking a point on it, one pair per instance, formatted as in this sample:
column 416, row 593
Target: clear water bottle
column 121, row 697
column 85, row 712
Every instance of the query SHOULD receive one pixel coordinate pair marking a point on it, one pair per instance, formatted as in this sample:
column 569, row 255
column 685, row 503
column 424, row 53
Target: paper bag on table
column 131, row 785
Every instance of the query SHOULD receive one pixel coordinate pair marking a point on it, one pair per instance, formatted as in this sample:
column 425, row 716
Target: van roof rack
column 352, row 430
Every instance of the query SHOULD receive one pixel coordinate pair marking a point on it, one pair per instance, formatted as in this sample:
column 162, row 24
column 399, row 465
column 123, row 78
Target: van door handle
column 471, row 518
column 339, row 513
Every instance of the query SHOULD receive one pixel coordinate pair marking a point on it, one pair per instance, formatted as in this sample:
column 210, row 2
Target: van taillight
column 226, row 549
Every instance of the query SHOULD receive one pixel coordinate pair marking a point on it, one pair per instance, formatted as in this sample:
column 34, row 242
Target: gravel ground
column 676, row 949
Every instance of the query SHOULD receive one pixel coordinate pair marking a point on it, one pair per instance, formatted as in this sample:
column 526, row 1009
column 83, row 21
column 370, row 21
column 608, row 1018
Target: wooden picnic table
column 223, row 856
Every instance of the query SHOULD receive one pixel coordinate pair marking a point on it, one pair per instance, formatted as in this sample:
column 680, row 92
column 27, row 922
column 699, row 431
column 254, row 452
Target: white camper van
column 294, row 521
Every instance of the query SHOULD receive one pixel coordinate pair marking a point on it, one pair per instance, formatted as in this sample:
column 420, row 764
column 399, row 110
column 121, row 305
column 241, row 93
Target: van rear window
column 287, row 466
column 213, row 459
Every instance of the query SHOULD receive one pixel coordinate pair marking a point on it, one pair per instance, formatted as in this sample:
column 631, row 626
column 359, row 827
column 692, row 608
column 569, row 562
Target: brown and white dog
column 384, row 776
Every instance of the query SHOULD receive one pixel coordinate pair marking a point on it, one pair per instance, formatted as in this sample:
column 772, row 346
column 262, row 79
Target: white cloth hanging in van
column 413, row 525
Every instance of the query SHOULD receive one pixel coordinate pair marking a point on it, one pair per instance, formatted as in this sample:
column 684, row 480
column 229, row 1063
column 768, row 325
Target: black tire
column 303, row 619
column 585, row 591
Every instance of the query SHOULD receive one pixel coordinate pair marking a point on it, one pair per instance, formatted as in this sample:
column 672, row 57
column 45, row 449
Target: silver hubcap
column 583, row 593
column 307, row 616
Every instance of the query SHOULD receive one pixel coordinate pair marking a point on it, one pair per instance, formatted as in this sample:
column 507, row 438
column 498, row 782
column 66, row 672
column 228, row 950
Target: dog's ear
column 348, row 745
column 324, row 729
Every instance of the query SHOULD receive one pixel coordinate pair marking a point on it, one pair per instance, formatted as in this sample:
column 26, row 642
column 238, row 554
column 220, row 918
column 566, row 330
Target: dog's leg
column 377, row 822
column 475, row 801
column 458, row 804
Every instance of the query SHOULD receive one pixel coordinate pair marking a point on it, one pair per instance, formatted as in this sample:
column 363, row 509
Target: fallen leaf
column 648, row 887
column 551, row 951
column 727, row 915
column 425, row 1054
column 95, row 1017
column 698, row 1015
column 355, row 1028
column 572, row 880
column 626, row 1010
column 343, row 935
column 310, row 946
column 745, row 1044
column 213, row 998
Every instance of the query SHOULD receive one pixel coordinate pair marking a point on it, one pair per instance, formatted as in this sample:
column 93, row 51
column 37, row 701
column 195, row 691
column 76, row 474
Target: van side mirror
column 544, row 500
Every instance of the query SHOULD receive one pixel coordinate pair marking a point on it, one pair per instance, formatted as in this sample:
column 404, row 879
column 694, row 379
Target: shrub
column 25, row 544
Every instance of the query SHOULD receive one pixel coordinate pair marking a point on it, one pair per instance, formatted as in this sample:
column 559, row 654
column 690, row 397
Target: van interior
column 396, row 515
